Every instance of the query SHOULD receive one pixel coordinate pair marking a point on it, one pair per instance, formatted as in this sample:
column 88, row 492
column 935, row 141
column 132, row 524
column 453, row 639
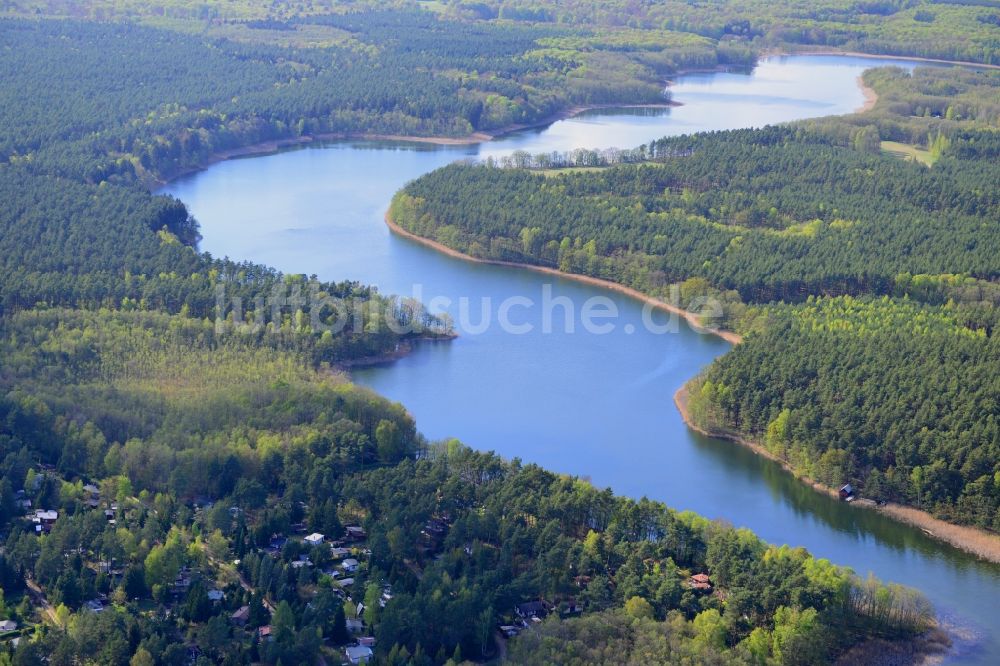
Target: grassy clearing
column 908, row 152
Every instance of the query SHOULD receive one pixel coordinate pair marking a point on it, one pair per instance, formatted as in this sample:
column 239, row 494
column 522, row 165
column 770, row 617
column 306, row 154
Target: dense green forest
column 173, row 425
column 181, row 464
column 761, row 215
column 897, row 394
column 897, row 397
column 99, row 101
column 950, row 29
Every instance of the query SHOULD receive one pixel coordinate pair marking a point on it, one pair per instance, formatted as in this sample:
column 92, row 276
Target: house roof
column 700, row 578
column 532, row 607
column 315, row 537
column 8, row 625
column 356, row 653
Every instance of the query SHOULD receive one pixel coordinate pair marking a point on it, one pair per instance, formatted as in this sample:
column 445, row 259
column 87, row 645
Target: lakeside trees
column 180, row 454
column 896, row 397
column 797, row 231
column 773, row 214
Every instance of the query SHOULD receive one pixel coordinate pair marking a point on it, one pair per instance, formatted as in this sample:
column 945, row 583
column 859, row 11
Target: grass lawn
column 908, row 152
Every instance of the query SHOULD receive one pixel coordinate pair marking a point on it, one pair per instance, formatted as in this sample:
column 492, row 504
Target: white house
column 359, row 654
column 314, row 539
column 350, row 565
column 7, row 625
column 48, row 516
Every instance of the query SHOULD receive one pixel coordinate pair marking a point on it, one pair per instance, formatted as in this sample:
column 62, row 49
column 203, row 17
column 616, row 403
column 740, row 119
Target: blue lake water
column 597, row 405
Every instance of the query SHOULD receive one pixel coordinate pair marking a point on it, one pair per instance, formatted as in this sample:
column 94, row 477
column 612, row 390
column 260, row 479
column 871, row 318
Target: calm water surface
column 597, row 405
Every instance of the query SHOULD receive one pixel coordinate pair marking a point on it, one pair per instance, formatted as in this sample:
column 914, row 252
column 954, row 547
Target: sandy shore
column 977, row 542
column 871, row 97
column 689, row 317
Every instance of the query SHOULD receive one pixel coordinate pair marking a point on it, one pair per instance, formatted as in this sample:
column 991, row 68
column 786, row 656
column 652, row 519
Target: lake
column 594, row 400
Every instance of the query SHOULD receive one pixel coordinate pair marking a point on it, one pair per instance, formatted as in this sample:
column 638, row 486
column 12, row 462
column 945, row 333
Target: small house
column 700, row 581
column 846, row 492
column 7, row 625
column 367, row 641
column 355, row 533
column 350, row 565
column 240, row 617
column 339, row 553
column 46, row 517
column 509, row 631
column 94, row 606
column 359, row 654
column 347, row 582
column 314, row 539
column 354, row 626
column 265, row 633
column 216, row 595
column 532, row 609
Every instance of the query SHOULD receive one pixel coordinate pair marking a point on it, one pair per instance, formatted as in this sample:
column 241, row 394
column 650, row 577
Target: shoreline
column 871, row 97
column 278, row 145
column 403, row 349
column 879, row 56
column 955, row 535
column 689, row 317
column 970, row 540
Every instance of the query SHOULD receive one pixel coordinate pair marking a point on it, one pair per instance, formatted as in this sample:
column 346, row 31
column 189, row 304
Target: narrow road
column 239, row 576
column 41, row 603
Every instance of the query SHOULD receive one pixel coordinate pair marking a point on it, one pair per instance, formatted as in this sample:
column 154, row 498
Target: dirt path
column 41, row 603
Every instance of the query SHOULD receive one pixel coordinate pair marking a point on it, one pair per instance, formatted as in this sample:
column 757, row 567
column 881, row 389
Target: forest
column 762, row 215
column 947, row 29
column 894, row 396
column 119, row 102
column 189, row 477
column 865, row 285
column 181, row 465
